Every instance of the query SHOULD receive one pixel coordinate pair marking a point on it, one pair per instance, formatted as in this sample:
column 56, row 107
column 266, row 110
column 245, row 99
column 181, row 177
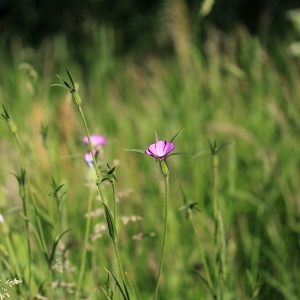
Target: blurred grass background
column 235, row 86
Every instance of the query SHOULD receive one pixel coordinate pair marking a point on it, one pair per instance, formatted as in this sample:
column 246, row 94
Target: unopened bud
column 12, row 126
column 76, row 99
column 164, row 168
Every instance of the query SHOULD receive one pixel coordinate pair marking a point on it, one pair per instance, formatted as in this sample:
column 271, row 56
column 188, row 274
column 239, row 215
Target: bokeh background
column 224, row 70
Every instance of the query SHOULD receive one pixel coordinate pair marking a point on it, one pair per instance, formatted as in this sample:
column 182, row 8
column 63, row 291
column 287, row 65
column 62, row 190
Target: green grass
column 240, row 94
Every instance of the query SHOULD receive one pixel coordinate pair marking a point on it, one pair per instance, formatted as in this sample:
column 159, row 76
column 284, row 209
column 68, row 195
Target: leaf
column 175, row 136
column 104, row 291
column 106, row 179
column 38, row 240
column 132, row 286
column 55, row 245
column 110, row 222
column 156, row 137
column 126, row 297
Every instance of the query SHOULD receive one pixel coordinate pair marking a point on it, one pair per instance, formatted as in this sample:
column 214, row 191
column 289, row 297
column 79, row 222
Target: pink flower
column 160, row 149
column 89, row 158
column 96, row 140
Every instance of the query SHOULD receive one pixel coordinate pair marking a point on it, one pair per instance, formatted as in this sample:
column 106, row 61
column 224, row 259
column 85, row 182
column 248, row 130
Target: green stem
column 92, row 152
column 86, row 237
column 101, row 193
column 164, row 236
column 202, row 253
column 220, row 238
column 115, row 201
column 11, row 250
column 120, row 265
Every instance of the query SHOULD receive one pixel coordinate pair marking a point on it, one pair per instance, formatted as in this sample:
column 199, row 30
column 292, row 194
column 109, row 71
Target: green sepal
column 175, row 136
column 214, row 149
column 156, row 137
column 70, row 77
column 135, row 150
column 164, row 168
column 75, row 97
column 189, row 205
column 179, row 153
column 5, row 116
column 64, row 85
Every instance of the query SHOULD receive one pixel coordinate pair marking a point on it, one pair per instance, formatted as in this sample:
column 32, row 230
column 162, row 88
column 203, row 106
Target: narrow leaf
column 55, row 245
column 110, row 222
column 118, row 284
column 104, row 291
column 132, row 286
column 156, row 137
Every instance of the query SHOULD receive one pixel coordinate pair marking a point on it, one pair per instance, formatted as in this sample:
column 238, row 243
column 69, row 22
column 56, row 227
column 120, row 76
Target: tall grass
column 234, row 92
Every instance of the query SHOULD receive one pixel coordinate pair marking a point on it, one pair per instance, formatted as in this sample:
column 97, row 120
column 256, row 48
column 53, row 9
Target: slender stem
column 202, row 253
column 115, row 200
column 11, row 250
column 164, row 236
column 215, row 186
column 23, row 196
column 32, row 196
column 86, row 237
column 101, row 193
column 92, row 152
column 120, row 265
column 220, row 238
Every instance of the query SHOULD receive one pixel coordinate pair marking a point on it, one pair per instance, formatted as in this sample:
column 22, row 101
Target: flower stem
column 202, row 253
column 219, row 239
column 93, row 155
column 164, row 235
column 86, row 237
column 101, row 194
column 120, row 266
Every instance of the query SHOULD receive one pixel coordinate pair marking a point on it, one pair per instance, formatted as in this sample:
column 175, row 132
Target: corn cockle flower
column 96, row 140
column 89, row 158
column 160, row 150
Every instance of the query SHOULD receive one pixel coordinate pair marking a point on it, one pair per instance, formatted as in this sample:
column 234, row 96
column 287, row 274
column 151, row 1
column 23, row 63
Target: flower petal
column 89, row 158
column 160, row 149
column 96, row 140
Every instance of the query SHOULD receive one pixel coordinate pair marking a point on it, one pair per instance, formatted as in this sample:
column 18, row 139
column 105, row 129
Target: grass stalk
column 164, row 236
column 85, row 245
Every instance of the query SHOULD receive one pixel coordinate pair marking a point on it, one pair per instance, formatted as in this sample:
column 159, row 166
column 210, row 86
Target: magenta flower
column 160, row 150
column 89, row 158
column 96, row 140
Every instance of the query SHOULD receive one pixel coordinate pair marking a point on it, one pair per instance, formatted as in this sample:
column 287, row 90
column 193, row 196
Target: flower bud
column 12, row 126
column 164, row 168
column 76, row 99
